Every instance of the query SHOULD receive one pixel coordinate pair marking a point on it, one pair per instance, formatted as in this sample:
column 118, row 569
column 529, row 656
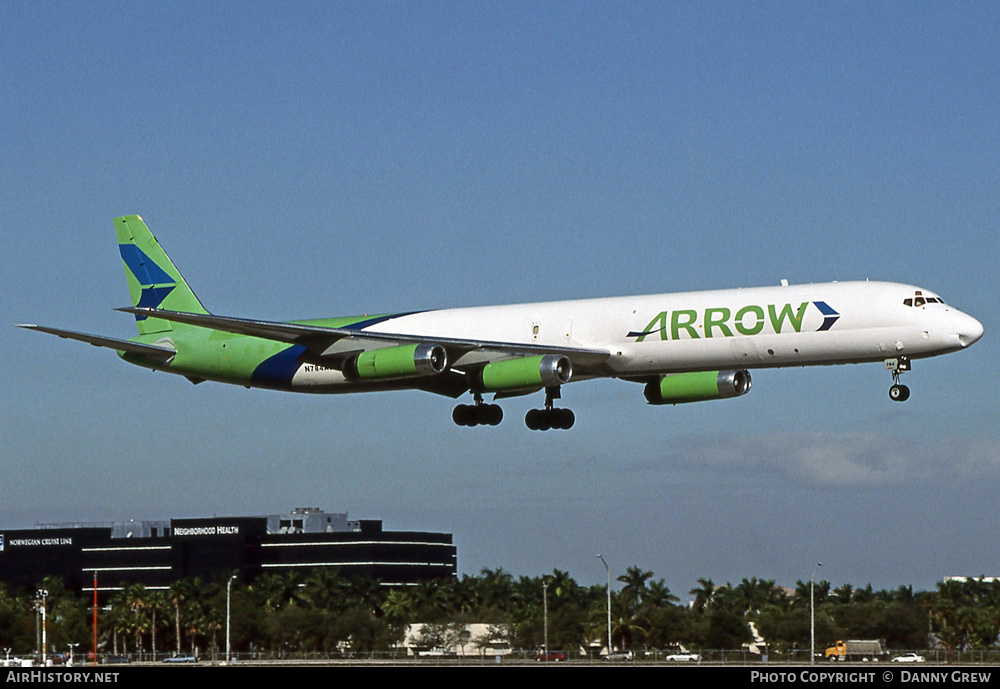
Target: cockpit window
column 918, row 299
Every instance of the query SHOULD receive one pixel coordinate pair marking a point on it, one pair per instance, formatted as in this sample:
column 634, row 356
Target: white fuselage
column 648, row 335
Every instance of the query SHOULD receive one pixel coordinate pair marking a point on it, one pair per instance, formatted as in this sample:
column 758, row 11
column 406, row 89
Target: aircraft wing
column 150, row 351
column 329, row 345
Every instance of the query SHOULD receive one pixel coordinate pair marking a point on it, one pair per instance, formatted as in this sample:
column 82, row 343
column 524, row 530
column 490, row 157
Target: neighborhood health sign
column 206, row 530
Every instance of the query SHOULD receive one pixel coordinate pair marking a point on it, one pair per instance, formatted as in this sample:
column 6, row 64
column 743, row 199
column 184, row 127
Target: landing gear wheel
column 899, row 393
column 564, row 419
column 550, row 417
column 494, row 414
column 477, row 415
column 545, row 419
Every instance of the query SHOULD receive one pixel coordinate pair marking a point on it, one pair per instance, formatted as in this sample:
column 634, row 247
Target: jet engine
column 527, row 373
column 396, row 362
column 699, row 386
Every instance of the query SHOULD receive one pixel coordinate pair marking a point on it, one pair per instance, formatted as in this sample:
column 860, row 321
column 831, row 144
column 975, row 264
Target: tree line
column 289, row 615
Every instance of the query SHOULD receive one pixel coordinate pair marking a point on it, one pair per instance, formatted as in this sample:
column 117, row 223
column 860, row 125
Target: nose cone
column 968, row 329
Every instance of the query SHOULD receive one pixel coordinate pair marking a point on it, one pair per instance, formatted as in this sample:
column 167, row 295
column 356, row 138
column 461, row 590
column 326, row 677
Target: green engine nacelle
column 697, row 387
column 527, row 373
column 396, row 362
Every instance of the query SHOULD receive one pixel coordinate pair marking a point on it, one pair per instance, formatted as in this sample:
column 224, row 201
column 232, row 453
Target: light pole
column 229, row 596
column 95, row 622
column 42, row 594
column 608, row 570
column 545, row 608
column 812, row 615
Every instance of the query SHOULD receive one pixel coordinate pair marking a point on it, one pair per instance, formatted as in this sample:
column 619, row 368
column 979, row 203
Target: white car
column 908, row 658
column 683, row 658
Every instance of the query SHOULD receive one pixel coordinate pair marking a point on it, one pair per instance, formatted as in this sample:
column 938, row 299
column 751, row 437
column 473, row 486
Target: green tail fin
column 153, row 280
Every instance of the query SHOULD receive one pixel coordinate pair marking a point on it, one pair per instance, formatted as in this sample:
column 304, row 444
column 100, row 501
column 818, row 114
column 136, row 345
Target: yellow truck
column 855, row 649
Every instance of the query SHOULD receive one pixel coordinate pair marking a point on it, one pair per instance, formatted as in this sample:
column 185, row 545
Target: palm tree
column 703, row 594
column 134, row 598
column 658, row 595
column 431, row 596
column 463, row 594
column 627, row 622
column 842, row 594
column 156, row 603
column 325, row 589
column 274, row 591
column 179, row 593
column 119, row 619
column 16, row 626
column 727, row 598
column 760, row 594
column 635, row 580
column 953, row 614
column 368, row 593
column 563, row 588
column 400, row 606
column 820, row 592
column 496, row 589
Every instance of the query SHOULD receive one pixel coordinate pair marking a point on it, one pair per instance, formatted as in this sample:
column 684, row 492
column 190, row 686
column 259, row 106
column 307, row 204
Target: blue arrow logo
column 830, row 316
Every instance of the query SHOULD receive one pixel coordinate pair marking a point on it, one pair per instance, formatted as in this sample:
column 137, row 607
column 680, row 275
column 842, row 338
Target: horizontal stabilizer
column 157, row 352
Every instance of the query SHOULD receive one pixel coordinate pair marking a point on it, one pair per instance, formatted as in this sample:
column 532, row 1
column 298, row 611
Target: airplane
column 682, row 347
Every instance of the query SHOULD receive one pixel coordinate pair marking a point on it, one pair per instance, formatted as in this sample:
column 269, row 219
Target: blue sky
column 314, row 159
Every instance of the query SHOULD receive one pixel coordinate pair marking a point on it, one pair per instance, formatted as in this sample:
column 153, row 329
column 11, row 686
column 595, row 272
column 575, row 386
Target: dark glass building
column 158, row 553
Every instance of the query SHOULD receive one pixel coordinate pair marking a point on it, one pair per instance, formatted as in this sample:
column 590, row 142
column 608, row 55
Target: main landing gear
column 482, row 414
column 478, row 414
column 898, row 393
column 550, row 417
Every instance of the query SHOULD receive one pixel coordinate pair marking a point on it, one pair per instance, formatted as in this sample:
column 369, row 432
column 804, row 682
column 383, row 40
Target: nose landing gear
column 898, row 393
